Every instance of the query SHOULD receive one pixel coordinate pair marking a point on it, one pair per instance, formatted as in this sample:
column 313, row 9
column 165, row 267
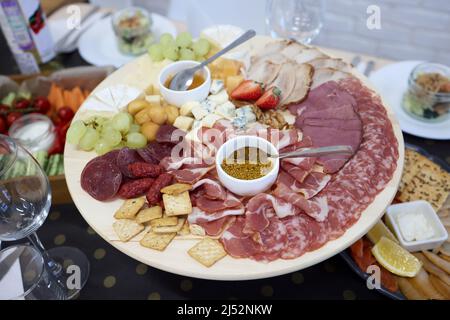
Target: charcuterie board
column 142, row 73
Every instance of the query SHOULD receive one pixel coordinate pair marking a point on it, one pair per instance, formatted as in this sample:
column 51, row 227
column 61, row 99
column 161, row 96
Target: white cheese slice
column 186, row 109
column 124, row 94
column 92, row 103
column 216, row 86
column 105, row 96
column 183, row 123
column 199, row 112
column 210, row 120
column 226, row 110
column 220, row 97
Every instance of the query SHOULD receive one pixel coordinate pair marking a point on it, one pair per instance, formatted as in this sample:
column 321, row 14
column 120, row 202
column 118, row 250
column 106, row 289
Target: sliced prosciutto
column 190, row 176
column 238, row 244
column 313, row 184
column 298, row 168
column 214, row 205
column 212, row 188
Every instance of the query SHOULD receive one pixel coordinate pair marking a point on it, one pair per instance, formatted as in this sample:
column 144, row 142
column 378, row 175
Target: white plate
column 392, row 82
column 98, row 44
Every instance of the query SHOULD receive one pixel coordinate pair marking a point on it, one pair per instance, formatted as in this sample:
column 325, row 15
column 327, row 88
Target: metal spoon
column 315, row 152
column 183, row 79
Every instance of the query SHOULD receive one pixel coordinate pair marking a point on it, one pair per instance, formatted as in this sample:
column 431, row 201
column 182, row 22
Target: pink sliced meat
column 101, row 179
column 288, row 180
column 125, row 157
column 169, row 134
column 199, row 216
column 175, row 163
column 301, row 235
column 316, row 208
column 190, row 176
column 298, row 168
column 304, row 143
column 213, row 189
column 214, row 205
column 214, row 228
column 156, row 151
column 272, row 239
column 313, row 184
column 236, row 243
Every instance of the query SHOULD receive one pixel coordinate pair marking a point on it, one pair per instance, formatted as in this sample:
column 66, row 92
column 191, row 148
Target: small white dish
column 178, row 98
column 391, row 83
column 440, row 233
column 247, row 187
column 98, row 45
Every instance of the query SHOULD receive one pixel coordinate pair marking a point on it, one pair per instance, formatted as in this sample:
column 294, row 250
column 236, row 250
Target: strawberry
column 248, row 90
column 270, row 98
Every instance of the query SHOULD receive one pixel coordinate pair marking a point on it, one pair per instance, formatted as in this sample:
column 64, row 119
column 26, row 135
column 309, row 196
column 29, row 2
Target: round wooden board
column 142, row 73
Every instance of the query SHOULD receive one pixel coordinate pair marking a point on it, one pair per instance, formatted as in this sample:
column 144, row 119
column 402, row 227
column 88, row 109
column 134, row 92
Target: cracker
column 207, row 252
column 129, row 208
column 170, row 229
column 127, row 229
column 157, row 241
column 176, row 188
column 149, row 214
column 184, row 231
column 197, row 230
column 176, row 205
column 164, row 222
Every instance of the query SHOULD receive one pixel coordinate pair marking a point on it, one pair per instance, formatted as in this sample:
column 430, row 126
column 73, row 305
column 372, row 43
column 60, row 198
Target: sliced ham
column 303, row 79
column 213, row 189
column 211, row 205
column 198, row 216
column 313, row 184
column 316, row 208
column 214, row 228
column 298, row 168
column 238, row 244
column 190, row 176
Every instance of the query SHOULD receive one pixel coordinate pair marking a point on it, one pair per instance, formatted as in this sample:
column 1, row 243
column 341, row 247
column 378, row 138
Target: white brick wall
column 410, row 29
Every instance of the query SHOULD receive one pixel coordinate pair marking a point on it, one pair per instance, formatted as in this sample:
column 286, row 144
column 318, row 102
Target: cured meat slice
column 210, row 205
column 169, row 134
column 272, row 239
column 316, row 208
column 303, row 79
column 304, row 143
column 236, row 243
column 313, row 184
column 309, row 54
column 264, row 71
column 285, row 80
column 199, row 216
column 175, row 163
column 333, row 63
column 288, row 180
column 156, row 151
column 293, row 49
column 322, row 75
column 213, row 189
column 298, row 168
column 125, row 157
column 190, row 176
column 101, row 179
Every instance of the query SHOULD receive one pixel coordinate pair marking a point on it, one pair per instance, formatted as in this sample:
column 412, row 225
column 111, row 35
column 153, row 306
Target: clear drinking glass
column 299, row 20
column 25, row 200
column 23, row 276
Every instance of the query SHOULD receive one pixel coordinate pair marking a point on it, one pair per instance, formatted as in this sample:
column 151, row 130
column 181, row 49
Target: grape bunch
column 180, row 48
column 103, row 134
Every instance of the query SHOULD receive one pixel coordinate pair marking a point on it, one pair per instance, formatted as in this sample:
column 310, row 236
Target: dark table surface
column 117, row 276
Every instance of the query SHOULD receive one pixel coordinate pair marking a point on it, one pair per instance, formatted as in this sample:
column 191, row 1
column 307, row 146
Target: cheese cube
column 186, row 109
column 216, row 86
column 210, row 106
column 210, row 120
column 199, row 112
column 226, row 110
column 183, row 123
column 153, row 99
column 220, row 97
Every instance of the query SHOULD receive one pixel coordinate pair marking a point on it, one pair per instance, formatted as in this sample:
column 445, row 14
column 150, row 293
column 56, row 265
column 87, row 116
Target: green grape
column 122, row 122
column 76, row 131
column 136, row 140
column 89, row 139
column 111, row 136
column 184, row 40
column 201, row 47
column 120, row 145
column 166, row 39
column 155, row 52
column 187, row 54
column 171, row 52
column 135, row 128
column 102, row 147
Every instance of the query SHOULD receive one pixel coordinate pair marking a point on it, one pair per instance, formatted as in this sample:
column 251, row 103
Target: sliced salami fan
column 101, row 179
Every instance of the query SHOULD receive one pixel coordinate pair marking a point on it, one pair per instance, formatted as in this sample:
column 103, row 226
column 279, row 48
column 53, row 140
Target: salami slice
column 159, row 151
column 125, row 157
column 273, row 240
column 101, row 179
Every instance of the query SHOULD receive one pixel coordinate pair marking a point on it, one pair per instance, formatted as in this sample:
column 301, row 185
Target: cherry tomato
column 65, row 114
column 3, row 125
column 12, row 116
column 22, row 104
column 41, row 104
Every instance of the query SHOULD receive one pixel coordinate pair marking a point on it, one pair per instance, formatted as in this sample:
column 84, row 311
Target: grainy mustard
column 247, row 164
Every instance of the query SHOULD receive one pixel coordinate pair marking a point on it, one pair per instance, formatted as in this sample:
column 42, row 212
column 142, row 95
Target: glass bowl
column 132, row 28
column 428, row 98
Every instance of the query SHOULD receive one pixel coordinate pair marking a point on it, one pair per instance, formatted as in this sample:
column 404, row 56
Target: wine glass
column 25, row 200
column 299, row 20
column 23, row 276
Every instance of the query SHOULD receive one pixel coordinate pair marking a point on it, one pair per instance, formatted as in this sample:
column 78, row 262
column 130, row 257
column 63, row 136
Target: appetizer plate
column 348, row 258
column 141, row 73
column 392, row 82
column 98, row 44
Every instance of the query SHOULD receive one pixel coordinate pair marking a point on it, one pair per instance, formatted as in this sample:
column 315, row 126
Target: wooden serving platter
column 142, row 73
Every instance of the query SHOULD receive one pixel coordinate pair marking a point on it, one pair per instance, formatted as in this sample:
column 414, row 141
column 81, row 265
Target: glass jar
column 132, row 28
column 35, row 132
column 428, row 94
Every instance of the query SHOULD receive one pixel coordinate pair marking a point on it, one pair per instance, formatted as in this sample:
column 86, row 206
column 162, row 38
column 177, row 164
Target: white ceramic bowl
column 178, row 98
column 247, row 187
column 423, row 206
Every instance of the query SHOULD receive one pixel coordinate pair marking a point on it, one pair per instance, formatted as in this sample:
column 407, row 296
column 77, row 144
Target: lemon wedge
column 396, row 259
column 380, row 230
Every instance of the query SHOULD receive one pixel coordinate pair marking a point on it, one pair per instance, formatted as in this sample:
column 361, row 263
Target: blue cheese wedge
column 216, row 86
column 186, row 109
column 208, row 105
column 219, row 98
column 226, row 110
column 244, row 116
column 210, row 120
column 199, row 112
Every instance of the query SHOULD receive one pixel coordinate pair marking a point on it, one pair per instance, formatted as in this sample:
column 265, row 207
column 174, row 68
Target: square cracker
column 176, row 188
column 127, row 229
column 157, row 241
column 164, row 222
column 149, row 214
column 176, row 205
column 207, row 252
column 170, row 229
column 129, row 208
